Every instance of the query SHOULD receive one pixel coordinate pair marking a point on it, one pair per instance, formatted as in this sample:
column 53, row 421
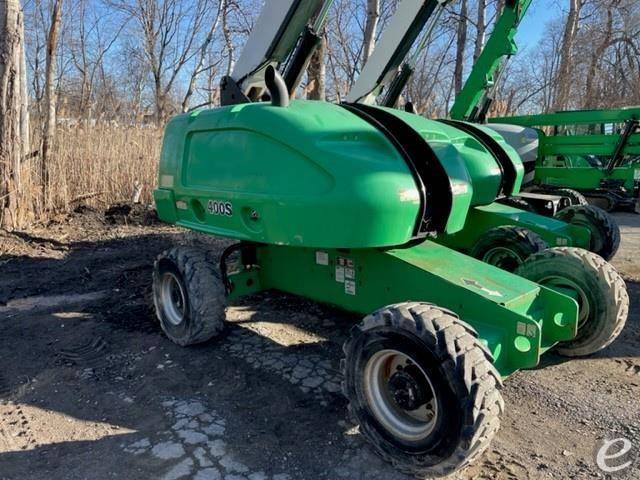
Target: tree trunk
column 228, row 42
column 370, row 29
column 596, row 57
column 50, row 98
column 201, row 56
column 565, row 69
column 14, row 133
column 318, row 73
column 480, row 29
column 460, row 47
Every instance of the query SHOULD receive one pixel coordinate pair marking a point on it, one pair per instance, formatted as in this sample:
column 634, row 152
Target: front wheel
column 422, row 388
column 603, row 302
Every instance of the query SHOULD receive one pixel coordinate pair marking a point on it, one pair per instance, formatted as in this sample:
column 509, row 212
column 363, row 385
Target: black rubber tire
column 521, row 242
column 605, row 232
column 601, row 285
column 460, row 369
column 206, row 299
column 606, row 202
column 516, row 202
column 574, row 196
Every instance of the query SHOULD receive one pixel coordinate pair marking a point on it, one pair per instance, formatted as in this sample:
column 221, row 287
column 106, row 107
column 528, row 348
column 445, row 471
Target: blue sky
column 533, row 25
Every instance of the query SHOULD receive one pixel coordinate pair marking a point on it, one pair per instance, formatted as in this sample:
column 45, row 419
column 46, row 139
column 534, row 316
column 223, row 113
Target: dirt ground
column 91, row 389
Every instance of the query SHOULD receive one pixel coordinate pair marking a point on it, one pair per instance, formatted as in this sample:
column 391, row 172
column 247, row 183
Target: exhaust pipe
column 277, row 87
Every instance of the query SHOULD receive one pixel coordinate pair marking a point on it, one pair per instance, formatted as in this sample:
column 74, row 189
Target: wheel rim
column 560, row 283
column 400, row 395
column 173, row 298
column 503, row 258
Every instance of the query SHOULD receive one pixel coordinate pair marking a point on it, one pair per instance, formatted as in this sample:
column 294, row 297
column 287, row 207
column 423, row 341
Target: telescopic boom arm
column 275, row 35
column 474, row 100
column 386, row 68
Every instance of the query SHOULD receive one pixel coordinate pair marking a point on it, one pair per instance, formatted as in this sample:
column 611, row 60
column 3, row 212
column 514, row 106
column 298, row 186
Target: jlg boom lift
column 338, row 204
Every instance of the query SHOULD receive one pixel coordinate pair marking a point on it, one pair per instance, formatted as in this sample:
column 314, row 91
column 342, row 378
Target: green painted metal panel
column 517, row 319
column 603, row 145
column 585, row 178
column 559, row 162
column 577, row 117
column 482, row 219
column 312, row 174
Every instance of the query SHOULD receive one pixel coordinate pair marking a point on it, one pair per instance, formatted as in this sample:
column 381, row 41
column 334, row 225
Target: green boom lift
column 579, row 155
column 500, row 233
column 338, row 207
column 593, row 152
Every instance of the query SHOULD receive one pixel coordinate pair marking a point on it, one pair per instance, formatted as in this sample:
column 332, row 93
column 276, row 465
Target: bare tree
column 461, row 43
column 370, row 29
column 596, row 56
column 226, row 30
column 317, row 73
column 565, row 68
column 88, row 48
column 171, row 39
column 50, row 97
column 480, row 29
column 14, row 121
column 198, row 69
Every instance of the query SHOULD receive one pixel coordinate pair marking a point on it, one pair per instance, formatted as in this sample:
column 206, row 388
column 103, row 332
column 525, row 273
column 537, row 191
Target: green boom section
column 585, row 178
column 500, row 44
column 602, row 144
column 518, row 320
column 577, row 117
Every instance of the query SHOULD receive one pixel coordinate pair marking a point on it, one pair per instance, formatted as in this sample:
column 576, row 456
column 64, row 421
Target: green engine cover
column 312, row 174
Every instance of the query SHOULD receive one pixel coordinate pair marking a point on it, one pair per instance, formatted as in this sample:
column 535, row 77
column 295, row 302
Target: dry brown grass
column 100, row 165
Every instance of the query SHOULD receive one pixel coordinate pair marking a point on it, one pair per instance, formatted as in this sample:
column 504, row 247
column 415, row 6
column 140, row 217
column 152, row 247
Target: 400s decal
column 215, row 207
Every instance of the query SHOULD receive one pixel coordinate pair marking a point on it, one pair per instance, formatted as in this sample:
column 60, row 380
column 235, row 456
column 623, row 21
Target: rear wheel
column 605, row 232
column 507, row 247
column 422, row 388
column 603, row 303
column 189, row 296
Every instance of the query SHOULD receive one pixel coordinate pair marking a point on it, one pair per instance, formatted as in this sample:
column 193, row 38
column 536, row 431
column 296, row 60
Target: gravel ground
column 91, row 389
